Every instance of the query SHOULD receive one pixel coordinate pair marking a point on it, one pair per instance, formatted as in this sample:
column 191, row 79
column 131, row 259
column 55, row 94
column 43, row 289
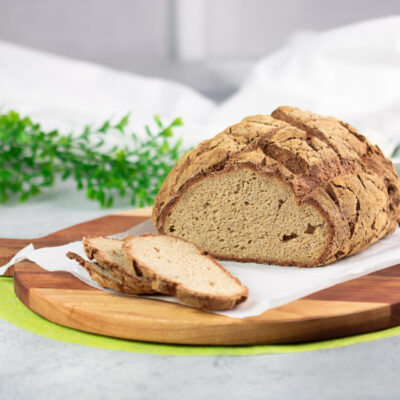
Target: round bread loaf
column 291, row 188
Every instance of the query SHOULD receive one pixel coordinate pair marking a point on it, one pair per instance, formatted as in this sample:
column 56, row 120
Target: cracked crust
column 324, row 161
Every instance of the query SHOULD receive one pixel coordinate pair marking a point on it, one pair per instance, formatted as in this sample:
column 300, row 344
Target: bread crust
column 140, row 286
column 95, row 272
column 324, row 161
column 187, row 296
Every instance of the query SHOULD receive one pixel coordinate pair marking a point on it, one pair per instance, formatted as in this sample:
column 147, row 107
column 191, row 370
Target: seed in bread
column 178, row 268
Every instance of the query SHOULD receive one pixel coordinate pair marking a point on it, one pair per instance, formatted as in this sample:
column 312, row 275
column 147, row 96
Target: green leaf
column 158, row 121
column 104, row 128
column 123, row 123
column 90, row 193
column 165, row 147
column 120, row 156
column 23, row 197
column 64, row 141
column 34, row 190
column 177, row 122
column 66, row 174
column 5, row 175
column 53, row 134
column 110, row 202
column 4, row 198
column 148, row 131
column 167, row 132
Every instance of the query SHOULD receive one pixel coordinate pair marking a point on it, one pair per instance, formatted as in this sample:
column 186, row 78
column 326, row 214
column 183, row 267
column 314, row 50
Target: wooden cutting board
column 362, row 305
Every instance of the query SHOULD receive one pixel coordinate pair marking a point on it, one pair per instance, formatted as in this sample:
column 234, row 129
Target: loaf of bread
column 291, row 188
column 178, row 268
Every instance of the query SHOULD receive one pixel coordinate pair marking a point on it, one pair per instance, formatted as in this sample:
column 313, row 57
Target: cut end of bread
column 179, row 268
column 251, row 217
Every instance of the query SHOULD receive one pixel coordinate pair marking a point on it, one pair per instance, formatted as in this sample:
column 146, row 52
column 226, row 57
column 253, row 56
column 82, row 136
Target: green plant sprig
column 31, row 160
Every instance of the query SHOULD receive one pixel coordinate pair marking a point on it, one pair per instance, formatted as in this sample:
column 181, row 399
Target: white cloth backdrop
column 352, row 72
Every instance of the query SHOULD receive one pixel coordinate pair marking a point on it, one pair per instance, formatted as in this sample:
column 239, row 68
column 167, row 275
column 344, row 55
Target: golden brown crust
column 103, row 259
column 326, row 162
column 187, row 296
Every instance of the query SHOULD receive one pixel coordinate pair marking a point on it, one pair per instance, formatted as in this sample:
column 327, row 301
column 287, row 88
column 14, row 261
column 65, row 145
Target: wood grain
column 362, row 305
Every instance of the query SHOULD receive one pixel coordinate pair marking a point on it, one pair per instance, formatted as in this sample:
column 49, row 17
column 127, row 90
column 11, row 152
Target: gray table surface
column 33, row 367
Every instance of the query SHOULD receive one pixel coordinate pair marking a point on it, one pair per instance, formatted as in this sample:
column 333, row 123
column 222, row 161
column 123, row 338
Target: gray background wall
column 208, row 44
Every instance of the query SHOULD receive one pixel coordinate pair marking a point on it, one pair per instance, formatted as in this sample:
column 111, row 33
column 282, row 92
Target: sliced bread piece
column 103, row 277
column 176, row 267
column 109, row 254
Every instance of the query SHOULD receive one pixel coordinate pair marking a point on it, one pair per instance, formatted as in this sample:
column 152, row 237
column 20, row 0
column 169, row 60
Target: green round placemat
column 12, row 310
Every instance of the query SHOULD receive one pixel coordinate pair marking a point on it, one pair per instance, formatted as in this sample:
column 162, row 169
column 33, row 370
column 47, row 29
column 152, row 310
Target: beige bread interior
column 246, row 215
column 110, row 255
column 176, row 267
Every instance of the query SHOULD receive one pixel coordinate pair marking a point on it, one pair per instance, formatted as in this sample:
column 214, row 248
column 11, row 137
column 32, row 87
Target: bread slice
column 109, row 254
column 102, row 276
column 176, row 267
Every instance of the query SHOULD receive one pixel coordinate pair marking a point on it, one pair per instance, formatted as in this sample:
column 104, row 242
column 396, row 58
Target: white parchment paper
column 269, row 285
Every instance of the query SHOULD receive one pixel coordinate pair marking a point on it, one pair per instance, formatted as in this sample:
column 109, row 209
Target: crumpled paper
column 269, row 285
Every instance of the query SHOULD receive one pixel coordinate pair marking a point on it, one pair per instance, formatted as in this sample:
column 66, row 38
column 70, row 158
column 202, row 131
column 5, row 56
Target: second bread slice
column 176, row 267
